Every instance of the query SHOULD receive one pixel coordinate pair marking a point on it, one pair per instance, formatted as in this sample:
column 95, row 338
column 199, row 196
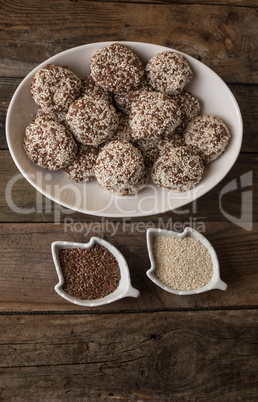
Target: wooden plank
column 8, row 86
column 28, row 275
column 246, row 96
column 243, row 3
column 225, row 40
column 25, row 204
column 153, row 356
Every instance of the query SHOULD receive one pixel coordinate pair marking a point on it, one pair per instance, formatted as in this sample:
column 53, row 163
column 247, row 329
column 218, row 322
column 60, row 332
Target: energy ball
column 81, row 169
column 55, row 87
column 116, row 68
column 178, row 169
column 190, row 108
column 92, row 120
column 120, row 168
column 152, row 150
column 168, row 72
column 209, row 135
column 153, row 115
column 124, row 131
column 49, row 144
column 89, row 87
column 51, row 114
column 123, row 100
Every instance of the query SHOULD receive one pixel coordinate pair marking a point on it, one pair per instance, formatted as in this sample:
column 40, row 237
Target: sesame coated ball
column 49, row 144
column 209, row 135
column 152, row 150
column 116, row 68
column 178, row 169
column 52, row 114
column 120, row 168
column 81, row 169
column 168, row 72
column 89, row 87
column 55, row 87
column 153, row 115
column 124, row 131
column 123, row 100
column 92, row 120
column 190, row 108
column 123, row 120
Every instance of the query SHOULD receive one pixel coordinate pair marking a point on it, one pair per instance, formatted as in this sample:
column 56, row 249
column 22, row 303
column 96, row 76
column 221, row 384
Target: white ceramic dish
column 90, row 198
column 215, row 282
column 124, row 289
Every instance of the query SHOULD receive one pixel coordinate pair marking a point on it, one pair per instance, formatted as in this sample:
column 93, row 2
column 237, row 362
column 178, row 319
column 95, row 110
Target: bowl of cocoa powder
column 91, row 274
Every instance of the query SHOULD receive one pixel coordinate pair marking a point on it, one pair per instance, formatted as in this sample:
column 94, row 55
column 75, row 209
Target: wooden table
column 158, row 347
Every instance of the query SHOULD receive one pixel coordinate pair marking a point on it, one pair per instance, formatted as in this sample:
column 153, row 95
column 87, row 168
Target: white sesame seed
column 182, row 264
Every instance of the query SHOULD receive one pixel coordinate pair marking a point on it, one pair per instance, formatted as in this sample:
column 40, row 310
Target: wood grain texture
column 158, row 347
column 20, row 202
column 7, row 89
column 28, row 275
column 245, row 3
column 205, row 356
column 222, row 36
column 246, row 96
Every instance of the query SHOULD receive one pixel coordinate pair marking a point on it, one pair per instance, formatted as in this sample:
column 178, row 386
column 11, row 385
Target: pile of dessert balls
column 122, row 122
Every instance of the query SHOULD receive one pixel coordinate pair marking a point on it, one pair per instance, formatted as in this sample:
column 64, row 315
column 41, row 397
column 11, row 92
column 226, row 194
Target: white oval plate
column 89, row 198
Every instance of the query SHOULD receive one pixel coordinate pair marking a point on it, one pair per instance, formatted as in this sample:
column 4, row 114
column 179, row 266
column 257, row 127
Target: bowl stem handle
column 132, row 292
column 221, row 285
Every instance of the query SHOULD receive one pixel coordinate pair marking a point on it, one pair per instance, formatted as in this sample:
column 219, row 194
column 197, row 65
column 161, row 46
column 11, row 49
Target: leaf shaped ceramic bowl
column 124, row 288
column 215, row 282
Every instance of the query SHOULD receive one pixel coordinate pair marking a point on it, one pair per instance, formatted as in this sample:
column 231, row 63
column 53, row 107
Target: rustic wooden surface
column 158, row 347
column 178, row 356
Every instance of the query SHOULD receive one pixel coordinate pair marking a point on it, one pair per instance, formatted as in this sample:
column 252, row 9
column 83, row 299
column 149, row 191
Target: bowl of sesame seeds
column 91, row 274
column 183, row 263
